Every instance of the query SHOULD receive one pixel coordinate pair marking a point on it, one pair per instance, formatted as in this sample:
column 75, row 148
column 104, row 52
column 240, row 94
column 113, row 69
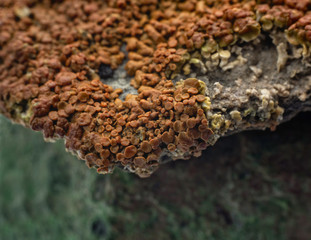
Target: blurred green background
column 254, row 185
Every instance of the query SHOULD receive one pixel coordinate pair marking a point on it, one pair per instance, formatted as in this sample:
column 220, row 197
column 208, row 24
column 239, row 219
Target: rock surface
column 200, row 70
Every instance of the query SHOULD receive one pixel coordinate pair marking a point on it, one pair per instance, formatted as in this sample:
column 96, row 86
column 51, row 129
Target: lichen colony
column 56, row 59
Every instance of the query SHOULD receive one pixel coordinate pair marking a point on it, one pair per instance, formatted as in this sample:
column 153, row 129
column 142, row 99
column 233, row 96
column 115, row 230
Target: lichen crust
column 56, row 57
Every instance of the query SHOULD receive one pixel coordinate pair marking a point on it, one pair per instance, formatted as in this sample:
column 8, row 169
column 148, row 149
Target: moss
column 44, row 192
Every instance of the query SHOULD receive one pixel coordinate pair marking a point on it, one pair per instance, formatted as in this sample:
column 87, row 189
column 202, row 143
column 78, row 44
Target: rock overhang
column 202, row 70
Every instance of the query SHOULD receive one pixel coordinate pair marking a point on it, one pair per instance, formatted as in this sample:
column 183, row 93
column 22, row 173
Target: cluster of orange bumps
column 55, row 56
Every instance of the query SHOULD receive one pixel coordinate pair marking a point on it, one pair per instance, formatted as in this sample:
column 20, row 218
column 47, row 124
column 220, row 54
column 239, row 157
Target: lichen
column 56, row 56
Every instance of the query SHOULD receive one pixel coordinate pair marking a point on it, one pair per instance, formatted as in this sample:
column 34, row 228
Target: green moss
column 45, row 192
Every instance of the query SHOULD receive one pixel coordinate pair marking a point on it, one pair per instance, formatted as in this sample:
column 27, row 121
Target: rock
column 200, row 74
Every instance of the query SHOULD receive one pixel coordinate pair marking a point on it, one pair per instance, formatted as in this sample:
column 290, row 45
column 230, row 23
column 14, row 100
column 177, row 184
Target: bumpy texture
column 244, row 64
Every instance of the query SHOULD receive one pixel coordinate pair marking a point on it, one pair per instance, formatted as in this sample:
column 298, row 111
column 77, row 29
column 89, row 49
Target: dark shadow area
column 252, row 183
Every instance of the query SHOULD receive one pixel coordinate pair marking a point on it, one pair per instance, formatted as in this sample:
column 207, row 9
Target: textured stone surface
column 133, row 84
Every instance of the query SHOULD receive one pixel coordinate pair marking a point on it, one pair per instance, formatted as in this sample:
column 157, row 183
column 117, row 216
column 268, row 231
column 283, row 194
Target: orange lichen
column 54, row 55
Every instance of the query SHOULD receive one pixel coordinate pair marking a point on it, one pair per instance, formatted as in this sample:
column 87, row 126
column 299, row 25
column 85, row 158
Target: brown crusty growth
column 55, row 56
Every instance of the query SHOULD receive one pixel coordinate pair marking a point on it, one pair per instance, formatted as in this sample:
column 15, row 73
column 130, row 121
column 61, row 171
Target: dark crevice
column 105, row 71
